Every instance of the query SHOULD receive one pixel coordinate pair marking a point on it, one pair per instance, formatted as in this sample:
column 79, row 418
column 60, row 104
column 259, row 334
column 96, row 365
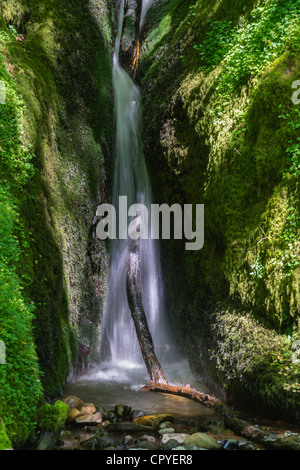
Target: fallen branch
column 185, row 392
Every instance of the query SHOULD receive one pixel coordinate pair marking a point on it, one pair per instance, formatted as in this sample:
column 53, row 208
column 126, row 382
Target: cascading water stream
column 119, row 341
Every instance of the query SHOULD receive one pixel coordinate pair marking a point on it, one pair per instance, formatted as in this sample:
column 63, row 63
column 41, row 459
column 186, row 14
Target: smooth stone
column 153, row 420
column 166, row 431
column 200, row 439
column 72, row 401
column 170, row 444
column 93, row 419
column 73, row 414
column 148, row 438
column 128, row 440
column 146, row 445
column 165, row 425
column 88, row 409
column 128, row 427
column 179, row 437
column 95, row 443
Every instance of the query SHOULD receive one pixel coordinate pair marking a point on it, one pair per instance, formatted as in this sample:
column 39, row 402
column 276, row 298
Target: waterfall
column 119, row 341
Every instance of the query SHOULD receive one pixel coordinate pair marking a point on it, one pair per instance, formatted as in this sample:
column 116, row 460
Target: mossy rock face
column 55, row 137
column 217, row 136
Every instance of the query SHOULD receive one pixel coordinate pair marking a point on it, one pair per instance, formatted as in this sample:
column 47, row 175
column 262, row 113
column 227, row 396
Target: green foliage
column 292, row 122
column 20, row 386
column 244, row 51
column 217, row 42
column 15, row 162
column 52, row 418
column 4, row 439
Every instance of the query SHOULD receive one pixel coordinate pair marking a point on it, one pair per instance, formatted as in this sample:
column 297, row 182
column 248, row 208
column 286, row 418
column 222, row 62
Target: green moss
column 4, row 440
column 52, row 418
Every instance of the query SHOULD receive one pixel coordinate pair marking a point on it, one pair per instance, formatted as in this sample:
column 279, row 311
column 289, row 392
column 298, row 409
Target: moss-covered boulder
column 53, row 417
column 153, row 420
column 202, row 440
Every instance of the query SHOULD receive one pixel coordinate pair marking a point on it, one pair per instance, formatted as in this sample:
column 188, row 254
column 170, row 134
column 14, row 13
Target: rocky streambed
column 90, row 427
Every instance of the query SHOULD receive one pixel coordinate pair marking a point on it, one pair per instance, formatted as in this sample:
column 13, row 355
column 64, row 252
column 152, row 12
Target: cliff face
column 56, row 128
column 221, row 129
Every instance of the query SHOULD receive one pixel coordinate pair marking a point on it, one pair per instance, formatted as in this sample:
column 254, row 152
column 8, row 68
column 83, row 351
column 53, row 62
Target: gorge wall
column 56, row 139
column 221, row 129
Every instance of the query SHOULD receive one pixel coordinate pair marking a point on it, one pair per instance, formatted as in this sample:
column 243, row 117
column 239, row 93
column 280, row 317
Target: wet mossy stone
column 153, row 420
column 202, row 440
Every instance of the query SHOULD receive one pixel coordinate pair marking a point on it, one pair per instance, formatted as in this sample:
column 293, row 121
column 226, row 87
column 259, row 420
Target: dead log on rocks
column 135, row 302
column 185, row 392
column 268, row 440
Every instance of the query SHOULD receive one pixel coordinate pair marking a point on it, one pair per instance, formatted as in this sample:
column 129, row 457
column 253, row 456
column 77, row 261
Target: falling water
column 119, row 341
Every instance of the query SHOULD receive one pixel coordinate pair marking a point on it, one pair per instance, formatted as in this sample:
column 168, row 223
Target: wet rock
column 48, row 440
column 170, row 444
column 95, row 443
column 179, row 437
column 91, row 420
column 245, row 445
column 105, row 424
column 128, row 440
column 146, row 445
column 148, row 438
column 165, row 425
column 230, row 444
column 109, row 415
column 73, row 414
column 202, row 440
column 153, row 420
column 166, row 431
column 123, row 412
column 87, row 409
column 136, row 414
column 72, row 401
column 128, row 427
